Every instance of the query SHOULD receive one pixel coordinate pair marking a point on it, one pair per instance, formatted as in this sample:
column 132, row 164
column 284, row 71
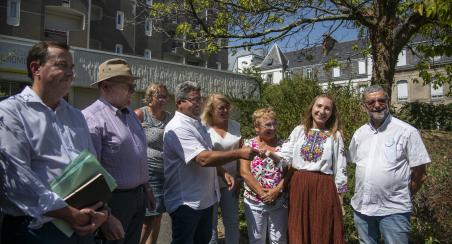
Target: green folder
column 80, row 170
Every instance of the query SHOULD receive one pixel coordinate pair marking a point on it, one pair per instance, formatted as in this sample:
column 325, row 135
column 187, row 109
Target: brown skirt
column 315, row 214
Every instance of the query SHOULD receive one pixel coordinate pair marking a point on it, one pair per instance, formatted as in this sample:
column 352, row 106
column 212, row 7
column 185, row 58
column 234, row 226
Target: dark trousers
column 129, row 207
column 191, row 226
column 15, row 231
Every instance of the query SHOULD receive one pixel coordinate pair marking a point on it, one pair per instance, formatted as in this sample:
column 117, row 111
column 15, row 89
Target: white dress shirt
column 384, row 158
column 186, row 182
column 37, row 143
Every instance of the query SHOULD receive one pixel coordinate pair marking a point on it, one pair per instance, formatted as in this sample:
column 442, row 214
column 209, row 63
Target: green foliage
column 289, row 99
column 427, row 116
column 331, row 64
column 431, row 218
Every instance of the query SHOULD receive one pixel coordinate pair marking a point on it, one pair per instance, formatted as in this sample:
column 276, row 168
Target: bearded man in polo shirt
column 390, row 160
column 120, row 143
column 191, row 169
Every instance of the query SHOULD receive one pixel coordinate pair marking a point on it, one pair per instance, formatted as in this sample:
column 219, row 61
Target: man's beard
column 377, row 117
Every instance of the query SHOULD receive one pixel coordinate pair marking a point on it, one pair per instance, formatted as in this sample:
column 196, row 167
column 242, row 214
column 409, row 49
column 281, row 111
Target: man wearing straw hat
column 40, row 134
column 120, row 143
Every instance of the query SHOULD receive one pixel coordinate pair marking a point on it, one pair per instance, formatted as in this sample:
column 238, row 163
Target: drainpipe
column 88, row 27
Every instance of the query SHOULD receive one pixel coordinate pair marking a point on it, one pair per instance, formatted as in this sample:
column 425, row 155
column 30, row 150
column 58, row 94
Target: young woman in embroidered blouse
column 315, row 151
column 225, row 135
column 265, row 203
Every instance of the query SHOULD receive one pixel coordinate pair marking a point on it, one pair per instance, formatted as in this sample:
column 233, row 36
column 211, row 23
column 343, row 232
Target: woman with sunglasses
column 315, row 151
column 154, row 118
column 265, row 201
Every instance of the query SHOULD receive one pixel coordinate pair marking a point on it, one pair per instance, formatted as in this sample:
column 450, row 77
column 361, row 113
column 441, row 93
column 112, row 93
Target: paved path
column 165, row 231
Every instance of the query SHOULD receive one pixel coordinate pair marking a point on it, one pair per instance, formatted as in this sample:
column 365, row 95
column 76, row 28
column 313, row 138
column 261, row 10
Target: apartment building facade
column 352, row 67
column 100, row 29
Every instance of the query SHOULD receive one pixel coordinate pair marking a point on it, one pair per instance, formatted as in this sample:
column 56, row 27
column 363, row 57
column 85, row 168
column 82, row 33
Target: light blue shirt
column 36, row 144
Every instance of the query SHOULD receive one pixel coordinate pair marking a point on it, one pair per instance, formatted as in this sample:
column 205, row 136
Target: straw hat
column 113, row 68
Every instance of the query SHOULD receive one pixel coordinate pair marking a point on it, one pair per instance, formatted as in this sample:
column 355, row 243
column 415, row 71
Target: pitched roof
column 274, row 59
column 315, row 55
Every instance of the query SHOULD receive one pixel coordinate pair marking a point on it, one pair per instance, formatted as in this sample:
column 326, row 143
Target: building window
column 55, row 35
column 437, row 92
column 401, row 59
column 402, row 90
column 118, row 48
column 336, row 71
column 147, row 54
column 308, row 73
column 66, row 3
column 270, row 78
column 148, row 27
column 13, row 12
column 361, row 67
column 96, row 13
column 120, row 20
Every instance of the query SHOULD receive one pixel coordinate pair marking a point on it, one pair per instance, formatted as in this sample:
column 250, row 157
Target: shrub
column 427, row 116
column 431, row 218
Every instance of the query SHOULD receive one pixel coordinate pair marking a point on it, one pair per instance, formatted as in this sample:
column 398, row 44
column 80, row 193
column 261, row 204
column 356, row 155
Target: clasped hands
column 269, row 196
column 249, row 153
column 86, row 220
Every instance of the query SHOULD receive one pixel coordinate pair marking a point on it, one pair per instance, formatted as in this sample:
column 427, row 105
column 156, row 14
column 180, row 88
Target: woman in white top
column 225, row 135
column 315, row 151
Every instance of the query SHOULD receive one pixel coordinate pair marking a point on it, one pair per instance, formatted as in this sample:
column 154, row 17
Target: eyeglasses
column 270, row 125
column 130, row 86
column 65, row 66
column 194, row 99
column 161, row 97
column 223, row 108
column 371, row 103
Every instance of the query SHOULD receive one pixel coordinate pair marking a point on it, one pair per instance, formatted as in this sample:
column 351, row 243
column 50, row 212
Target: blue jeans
column 229, row 204
column 191, row 226
column 394, row 228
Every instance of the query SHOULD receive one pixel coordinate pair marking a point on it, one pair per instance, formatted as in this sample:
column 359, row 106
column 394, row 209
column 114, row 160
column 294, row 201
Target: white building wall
column 277, row 75
column 244, row 62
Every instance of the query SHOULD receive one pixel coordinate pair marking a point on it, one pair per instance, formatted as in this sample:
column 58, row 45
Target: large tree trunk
column 384, row 58
column 384, row 49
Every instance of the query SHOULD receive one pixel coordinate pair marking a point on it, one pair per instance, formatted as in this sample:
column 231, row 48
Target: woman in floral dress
column 315, row 151
column 154, row 119
column 265, row 202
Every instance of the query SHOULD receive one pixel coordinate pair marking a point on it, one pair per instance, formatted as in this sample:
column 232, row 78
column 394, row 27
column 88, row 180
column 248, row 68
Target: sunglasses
column 131, row 87
column 371, row 103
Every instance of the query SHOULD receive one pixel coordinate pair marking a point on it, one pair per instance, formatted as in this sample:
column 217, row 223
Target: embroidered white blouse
column 317, row 151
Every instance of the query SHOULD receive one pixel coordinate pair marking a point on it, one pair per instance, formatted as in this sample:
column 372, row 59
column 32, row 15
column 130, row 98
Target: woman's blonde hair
column 207, row 112
column 151, row 91
column 332, row 124
column 263, row 113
